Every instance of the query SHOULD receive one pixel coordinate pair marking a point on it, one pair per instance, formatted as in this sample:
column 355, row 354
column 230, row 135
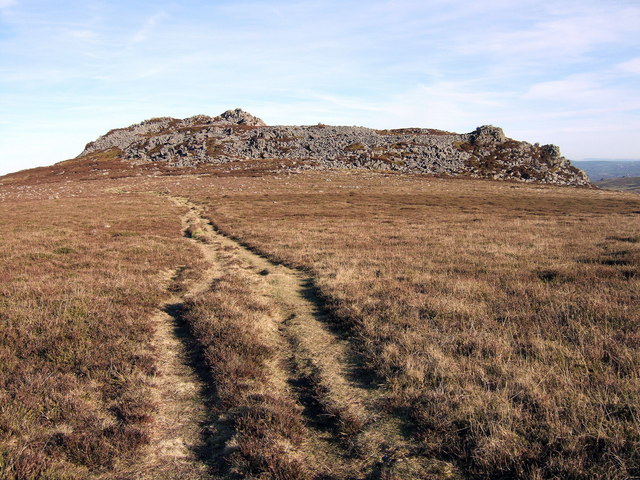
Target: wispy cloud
column 7, row 3
column 543, row 70
column 552, row 39
column 630, row 66
column 83, row 34
column 143, row 33
column 575, row 88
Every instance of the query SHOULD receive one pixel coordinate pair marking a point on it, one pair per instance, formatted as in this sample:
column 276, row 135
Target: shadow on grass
column 214, row 433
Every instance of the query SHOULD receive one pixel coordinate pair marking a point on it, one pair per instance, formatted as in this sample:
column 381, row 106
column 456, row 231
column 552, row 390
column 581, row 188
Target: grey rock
column 239, row 117
column 487, row 134
column 237, row 135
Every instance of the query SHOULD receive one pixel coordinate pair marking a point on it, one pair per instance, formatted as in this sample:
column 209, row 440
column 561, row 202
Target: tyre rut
column 183, row 428
column 350, row 436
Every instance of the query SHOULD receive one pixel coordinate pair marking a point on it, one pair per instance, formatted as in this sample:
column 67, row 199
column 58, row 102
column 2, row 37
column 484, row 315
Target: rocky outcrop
column 493, row 155
column 237, row 135
column 239, row 117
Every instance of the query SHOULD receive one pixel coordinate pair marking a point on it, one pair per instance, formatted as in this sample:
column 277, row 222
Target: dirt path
column 180, row 391
column 350, row 435
column 179, row 396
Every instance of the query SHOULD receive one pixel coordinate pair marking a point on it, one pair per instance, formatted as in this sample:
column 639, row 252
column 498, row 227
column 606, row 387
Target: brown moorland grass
column 502, row 318
column 267, row 429
column 499, row 320
column 79, row 280
column 259, row 429
column 275, row 366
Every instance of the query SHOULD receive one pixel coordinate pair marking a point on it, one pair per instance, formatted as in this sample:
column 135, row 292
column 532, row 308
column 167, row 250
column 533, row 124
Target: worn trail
column 350, row 436
column 180, row 391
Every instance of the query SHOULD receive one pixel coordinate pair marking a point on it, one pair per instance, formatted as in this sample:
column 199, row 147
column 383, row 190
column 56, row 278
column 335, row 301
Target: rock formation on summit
column 236, row 135
column 239, row 117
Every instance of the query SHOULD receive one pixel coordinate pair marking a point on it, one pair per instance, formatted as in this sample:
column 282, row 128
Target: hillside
column 236, row 135
column 630, row 184
column 605, row 169
column 255, row 318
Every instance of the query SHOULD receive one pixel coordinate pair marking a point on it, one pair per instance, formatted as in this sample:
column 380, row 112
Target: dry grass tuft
column 234, row 324
column 502, row 319
column 74, row 343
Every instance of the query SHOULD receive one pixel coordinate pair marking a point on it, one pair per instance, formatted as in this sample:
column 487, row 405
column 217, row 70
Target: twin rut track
column 349, row 435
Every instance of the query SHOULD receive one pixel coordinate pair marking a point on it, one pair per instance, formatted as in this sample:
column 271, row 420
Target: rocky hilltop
column 237, row 135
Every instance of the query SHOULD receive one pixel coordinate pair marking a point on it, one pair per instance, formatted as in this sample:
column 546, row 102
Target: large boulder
column 487, row 134
column 239, row 117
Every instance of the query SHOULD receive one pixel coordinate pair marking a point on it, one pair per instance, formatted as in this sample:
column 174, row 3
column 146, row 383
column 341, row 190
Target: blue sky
column 563, row 72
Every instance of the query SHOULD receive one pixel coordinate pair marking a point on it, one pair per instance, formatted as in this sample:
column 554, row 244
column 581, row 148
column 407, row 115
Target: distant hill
column 604, row 169
column 629, row 184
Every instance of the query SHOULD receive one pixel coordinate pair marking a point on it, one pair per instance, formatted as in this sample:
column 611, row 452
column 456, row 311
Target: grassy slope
column 501, row 319
column 80, row 277
column 628, row 184
column 609, row 169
